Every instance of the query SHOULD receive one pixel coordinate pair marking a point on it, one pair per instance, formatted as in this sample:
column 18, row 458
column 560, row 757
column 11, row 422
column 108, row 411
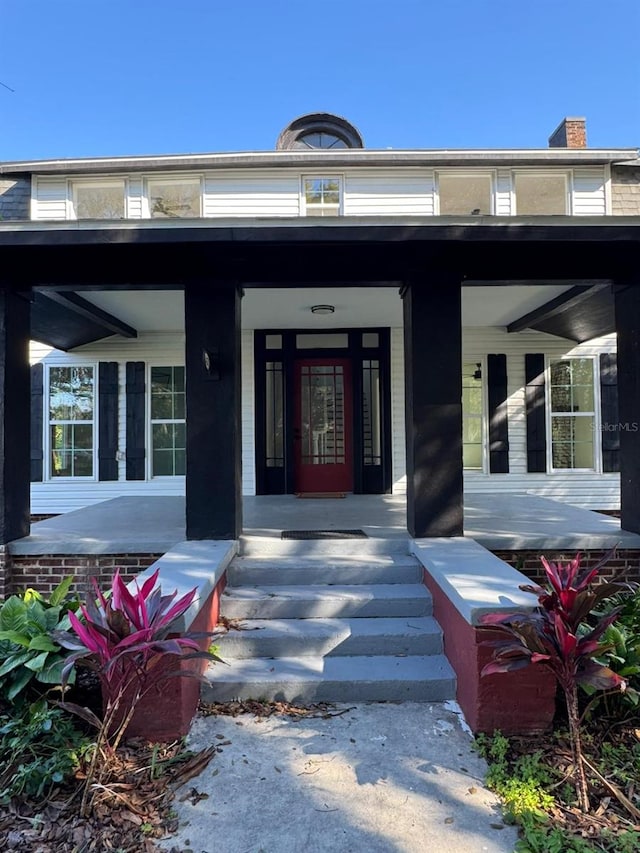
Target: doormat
column 323, row 534
column 321, row 494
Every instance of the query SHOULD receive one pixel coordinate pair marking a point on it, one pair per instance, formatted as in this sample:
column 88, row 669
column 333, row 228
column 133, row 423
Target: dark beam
column 87, row 309
column 557, row 305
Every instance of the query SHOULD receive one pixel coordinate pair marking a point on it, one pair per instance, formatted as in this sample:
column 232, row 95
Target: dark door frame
column 279, row 478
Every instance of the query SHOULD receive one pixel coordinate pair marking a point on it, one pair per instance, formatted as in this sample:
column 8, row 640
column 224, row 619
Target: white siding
column 248, row 416
column 246, row 194
column 50, row 198
column 134, row 198
column 592, row 490
column 154, row 349
column 391, row 193
column 398, row 444
column 589, row 197
column 503, row 193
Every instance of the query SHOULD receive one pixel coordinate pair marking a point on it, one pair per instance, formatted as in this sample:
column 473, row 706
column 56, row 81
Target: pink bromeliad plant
column 558, row 635
column 126, row 637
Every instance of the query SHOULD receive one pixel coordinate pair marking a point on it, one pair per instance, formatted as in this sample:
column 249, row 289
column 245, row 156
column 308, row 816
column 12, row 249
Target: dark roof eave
column 326, row 160
column 311, row 230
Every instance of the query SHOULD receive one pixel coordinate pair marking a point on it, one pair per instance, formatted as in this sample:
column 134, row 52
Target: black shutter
column 37, row 435
column 107, row 420
column 135, row 420
column 498, row 426
column 534, row 395
column 609, row 411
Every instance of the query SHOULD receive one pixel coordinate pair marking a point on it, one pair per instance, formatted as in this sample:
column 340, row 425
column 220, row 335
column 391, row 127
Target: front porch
column 155, row 524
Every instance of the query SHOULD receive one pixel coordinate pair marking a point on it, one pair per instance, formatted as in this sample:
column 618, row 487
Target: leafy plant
column 39, row 748
column 28, row 651
column 558, row 636
column 622, row 648
column 126, row 637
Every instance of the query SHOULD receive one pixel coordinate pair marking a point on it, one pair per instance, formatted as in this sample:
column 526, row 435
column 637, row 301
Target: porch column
column 15, row 411
column 212, row 358
column 433, row 404
column 627, row 310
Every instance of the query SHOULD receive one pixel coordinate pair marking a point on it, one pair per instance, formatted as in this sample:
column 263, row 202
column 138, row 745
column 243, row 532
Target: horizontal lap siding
column 50, row 199
column 134, row 199
column 159, row 348
column 588, row 192
column 503, row 193
column 398, row 451
column 393, row 194
column 247, row 194
column 594, row 490
column 248, row 416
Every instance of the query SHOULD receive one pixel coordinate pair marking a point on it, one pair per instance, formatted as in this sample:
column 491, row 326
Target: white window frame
column 95, row 183
column 567, row 174
column 321, row 177
column 148, row 182
column 491, row 174
column 597, row 443
column 151, row 477
column 484, row 423
column 46, row 422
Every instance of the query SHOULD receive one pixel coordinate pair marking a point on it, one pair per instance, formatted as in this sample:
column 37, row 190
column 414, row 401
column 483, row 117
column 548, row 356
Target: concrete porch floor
column 138, row 525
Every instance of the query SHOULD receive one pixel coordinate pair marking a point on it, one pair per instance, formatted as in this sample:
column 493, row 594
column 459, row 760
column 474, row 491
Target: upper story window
column 319, row 130
column 98, row 199
column 174, row 198
column 71, row 418
column 572, row 414
column 465, row 195
column 322, row 196
column 472, row 416
column 539, row 195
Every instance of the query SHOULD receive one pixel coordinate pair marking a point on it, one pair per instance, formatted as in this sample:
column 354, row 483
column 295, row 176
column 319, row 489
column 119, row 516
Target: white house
column 322, row 318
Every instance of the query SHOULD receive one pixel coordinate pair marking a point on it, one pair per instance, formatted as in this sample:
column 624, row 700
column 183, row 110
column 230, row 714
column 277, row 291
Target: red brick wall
column 44, row 572
column 625, row 565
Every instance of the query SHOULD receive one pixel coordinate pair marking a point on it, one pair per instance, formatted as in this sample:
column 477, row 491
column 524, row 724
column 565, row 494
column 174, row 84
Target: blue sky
column 112, row 77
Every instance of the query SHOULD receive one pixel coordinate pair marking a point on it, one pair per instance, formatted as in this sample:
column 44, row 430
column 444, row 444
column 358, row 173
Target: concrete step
column 309, row 602
column 259, row 546
column 288, row 638
column 332, row 679
column 323, row 569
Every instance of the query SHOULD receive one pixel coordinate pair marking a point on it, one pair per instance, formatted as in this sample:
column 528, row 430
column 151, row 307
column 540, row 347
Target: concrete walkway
column 379, row 778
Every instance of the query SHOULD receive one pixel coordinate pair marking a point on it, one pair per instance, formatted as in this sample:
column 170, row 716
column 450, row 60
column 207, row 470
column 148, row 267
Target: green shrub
column 27, row 651
column 39, row 748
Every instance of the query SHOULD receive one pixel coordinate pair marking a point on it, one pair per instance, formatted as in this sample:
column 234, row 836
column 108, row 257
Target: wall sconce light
column 211, row 363
column 323, row 309
column 478, row 371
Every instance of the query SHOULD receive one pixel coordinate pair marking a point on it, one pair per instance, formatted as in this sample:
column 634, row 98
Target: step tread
column 326, row 592
column 374, row 668
column 326, row 627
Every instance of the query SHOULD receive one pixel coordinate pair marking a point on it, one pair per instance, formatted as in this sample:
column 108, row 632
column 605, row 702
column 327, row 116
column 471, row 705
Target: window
column 472, row 416
column 537, row 195
column 464, row 195
column 321, row 196
column 168, row 435
column 174, row 199
column 572, row 413
column 320, row 139
column 71, row 396
column 98, row 200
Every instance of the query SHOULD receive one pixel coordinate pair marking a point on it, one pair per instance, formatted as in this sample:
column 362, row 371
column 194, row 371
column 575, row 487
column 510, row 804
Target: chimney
column 570, row 133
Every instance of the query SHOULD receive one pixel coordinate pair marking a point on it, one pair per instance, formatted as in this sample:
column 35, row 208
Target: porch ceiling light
column 323, row 309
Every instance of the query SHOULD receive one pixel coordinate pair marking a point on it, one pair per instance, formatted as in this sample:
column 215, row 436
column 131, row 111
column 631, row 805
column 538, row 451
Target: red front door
column 323, row 440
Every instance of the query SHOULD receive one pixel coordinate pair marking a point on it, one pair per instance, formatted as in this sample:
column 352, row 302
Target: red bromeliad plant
column 558, row 636
column 125, row 638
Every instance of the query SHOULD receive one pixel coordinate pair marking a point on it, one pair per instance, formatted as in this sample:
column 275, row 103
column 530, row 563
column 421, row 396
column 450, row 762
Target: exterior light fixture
column 323, row 309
